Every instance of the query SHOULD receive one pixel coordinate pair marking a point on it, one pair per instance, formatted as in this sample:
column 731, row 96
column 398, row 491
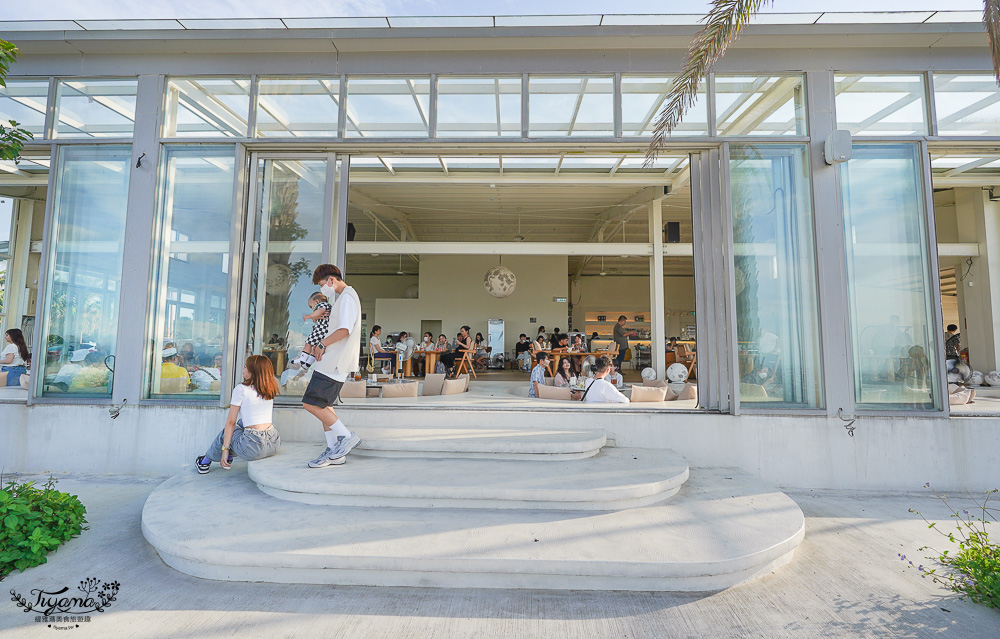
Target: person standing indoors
column 621, row 336
column 339, row 357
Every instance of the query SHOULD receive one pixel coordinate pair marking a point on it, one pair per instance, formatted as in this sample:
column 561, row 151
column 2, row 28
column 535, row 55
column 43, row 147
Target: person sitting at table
column 538, row 345
column 419, row 360
column 615, row 377
column 375, row 344
column 599, row 389
column 538, row 374
column 577, row 346
column 565, row 373
column 463, row 342
column 169, row 368
column 206, row 373
column 442, row 343
column 560, row 343
column 94, row 374
column 541, row 332
column 522, row 352
column 481, row 355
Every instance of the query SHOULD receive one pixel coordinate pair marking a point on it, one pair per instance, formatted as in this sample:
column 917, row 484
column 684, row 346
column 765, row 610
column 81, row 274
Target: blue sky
column 106, row 9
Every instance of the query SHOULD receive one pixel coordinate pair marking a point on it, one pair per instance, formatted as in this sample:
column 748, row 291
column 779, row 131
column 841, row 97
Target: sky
column 109, row 9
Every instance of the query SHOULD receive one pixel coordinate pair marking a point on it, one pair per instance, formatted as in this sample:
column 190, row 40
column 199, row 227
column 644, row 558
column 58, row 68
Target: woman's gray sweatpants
column 247, row 443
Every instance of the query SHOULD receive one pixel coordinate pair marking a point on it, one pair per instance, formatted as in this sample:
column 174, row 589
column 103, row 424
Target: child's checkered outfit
column 318, row 333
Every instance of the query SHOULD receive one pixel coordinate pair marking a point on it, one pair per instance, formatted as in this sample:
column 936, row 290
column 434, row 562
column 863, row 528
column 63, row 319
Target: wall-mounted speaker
column 351, row 231
column 672, row 232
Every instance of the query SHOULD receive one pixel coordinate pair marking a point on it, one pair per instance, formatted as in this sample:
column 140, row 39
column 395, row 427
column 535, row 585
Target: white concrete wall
column 451, row 290
column 795, row 452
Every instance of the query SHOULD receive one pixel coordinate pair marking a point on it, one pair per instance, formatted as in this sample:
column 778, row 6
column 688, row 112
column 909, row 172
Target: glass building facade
column 246, row 202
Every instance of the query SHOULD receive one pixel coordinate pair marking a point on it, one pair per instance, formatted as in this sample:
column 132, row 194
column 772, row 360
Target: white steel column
column 657, row 344
column 834, row 323
column 133, row 305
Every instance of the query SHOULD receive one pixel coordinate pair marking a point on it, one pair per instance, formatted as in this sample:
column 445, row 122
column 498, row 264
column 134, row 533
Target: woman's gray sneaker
column 326, row 459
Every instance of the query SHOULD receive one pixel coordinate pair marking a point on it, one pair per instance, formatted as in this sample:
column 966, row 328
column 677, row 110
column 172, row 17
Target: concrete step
column 721, row 529
column 616, row 478
column 545, row 444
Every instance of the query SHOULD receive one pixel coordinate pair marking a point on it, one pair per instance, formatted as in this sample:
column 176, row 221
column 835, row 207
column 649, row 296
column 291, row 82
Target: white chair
column 453, row 387
column 433, row 383
column 647, row 394
column 551, row 392
column 399, row 389
column 352, row 389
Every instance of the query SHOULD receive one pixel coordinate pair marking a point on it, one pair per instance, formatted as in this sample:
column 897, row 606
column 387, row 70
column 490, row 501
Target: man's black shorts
column 322, row 391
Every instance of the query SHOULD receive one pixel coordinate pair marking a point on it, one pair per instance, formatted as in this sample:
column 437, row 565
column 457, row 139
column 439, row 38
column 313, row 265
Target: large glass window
column 760, row 105
column 967, row 104
column 206, row 107
column 888, row 276
column 95, row 108
column 775, row 276
column 388, row 107
column 6, row 248
column 479, row 107
column 24, row 102
column 643, row 98
column 83, row 280
column 298, row 107
column 288, row 238
column 571, row 106
column 881, row 104
column 191, row 277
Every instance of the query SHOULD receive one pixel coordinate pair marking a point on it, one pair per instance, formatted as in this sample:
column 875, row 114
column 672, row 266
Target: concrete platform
column 546, row 444
column 617, row 478
column 723, row 528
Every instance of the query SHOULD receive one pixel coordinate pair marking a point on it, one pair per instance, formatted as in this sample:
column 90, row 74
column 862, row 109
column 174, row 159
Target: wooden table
column 430, row 361
column 280, row 355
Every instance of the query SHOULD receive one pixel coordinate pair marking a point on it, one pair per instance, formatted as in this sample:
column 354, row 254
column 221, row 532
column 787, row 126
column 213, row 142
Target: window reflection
column 775, row 277
column 95, row 108
column 643, row 98
column 760, row 105
column 24, row 102
column 967, row 104
column 479, row 107
column 206, row 107
column 570, row 106
column 288, row 234
column 388, row 107
column 298, row 107
column 84, row 271
column 881, row 104
column 192, row 271
column 895, row 354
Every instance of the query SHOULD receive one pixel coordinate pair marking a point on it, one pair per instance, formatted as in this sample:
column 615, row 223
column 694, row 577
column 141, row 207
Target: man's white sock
column 339, row 429
column 331, row 438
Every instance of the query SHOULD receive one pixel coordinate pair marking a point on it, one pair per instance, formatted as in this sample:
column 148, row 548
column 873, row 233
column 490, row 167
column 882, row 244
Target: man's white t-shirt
column 347, row 318
column 11, row 349
column 602, row 391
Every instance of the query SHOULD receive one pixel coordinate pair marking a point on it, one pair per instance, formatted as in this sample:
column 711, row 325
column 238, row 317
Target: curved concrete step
column 493, row 443
column 722, row 529
column 617, row 478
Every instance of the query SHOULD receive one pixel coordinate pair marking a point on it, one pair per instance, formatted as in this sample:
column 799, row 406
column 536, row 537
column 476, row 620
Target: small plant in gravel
column 35, row 521
column 972, row 571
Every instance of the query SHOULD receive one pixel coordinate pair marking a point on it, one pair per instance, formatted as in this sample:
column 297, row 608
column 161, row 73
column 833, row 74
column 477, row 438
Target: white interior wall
column 451, row 290
column 978, row 220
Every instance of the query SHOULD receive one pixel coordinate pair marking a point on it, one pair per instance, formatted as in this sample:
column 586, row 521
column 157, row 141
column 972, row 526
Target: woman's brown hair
column 261, row 376
column 17, row 339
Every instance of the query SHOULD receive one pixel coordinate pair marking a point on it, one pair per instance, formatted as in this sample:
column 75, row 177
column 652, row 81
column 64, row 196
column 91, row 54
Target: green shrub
column 34, row 521
column 974, row 570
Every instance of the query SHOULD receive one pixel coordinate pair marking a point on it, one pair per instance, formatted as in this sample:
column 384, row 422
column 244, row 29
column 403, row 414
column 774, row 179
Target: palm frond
column 723, row 25
column 991, row 19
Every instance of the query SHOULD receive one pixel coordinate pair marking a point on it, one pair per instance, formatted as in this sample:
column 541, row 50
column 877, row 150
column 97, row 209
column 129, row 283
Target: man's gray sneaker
column 345, row 446
column 326, row 459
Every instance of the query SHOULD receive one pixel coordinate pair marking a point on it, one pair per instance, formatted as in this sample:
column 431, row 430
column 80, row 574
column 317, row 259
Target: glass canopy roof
column 406, row 22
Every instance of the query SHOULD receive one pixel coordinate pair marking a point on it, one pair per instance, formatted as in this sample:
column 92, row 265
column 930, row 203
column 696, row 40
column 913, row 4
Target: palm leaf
column 991, row 19
column 723, row 25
